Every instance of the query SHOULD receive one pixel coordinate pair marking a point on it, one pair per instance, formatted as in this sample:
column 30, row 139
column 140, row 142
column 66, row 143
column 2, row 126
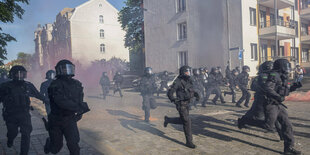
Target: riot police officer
column 15, row 96
column 118, row 80
column 147, row 88
column 3, row 77
column 243, row 80
column 49, row 76
column 105, row 84
column 213, row 87
column 67, row 107
column 256, row 116
column 221, row 81
column 184, row 89
column 197, row 85
column 276, row 88
column 232, row 85
column 164, row 82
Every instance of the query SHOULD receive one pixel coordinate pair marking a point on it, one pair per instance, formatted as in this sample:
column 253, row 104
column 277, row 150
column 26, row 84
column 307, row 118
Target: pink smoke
column 299, row 97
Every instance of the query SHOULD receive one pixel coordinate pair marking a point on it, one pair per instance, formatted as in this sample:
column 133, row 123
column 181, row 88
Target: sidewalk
column 38, row 137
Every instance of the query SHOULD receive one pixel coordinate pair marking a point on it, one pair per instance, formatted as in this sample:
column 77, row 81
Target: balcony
column 305, row 38
column 283, row 30
column 281, row 4
column 305, row 13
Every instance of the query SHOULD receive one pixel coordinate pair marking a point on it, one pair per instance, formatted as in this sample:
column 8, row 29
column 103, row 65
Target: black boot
column 166, row 121
column 47, row 146
column 291, row 151
column 240, row 124
column 190, row 145
column 9, row 143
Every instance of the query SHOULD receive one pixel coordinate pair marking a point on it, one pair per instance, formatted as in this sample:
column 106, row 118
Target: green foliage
column 23, row 59
column 132, row 21
column 8, row 10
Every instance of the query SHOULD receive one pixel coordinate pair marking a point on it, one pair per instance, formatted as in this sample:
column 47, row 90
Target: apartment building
column 83, row 34
column 211, row 33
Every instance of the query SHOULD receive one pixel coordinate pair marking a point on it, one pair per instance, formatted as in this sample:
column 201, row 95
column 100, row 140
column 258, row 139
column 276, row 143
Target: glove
column 78, row 117
column 280, row 99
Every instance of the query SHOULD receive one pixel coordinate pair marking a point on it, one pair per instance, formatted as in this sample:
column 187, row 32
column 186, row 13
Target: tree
column 132, row 21
column 8, row 10
column 23, row 59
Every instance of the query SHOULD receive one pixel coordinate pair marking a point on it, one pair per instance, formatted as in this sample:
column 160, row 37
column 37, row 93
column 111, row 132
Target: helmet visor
column 287, row 67
column 20, row 75
column 66, row 69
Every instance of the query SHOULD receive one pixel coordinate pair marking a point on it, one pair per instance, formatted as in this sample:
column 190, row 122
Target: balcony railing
column 278, row 22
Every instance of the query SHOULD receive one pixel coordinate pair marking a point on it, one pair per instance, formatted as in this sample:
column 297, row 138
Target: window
column 182, row 31
column 102, row 48
column 100, row 19
column 264, row 52
column 281, row 51
column 252, row 16
column 304, row 29
column 263, row 19
column 182, row 58
column 253, row 51
column 305, row 55
column 101, row 33
column 181, row 5
column 273, row 51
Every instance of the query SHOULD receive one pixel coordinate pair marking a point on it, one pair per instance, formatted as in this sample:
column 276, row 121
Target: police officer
column 67, row 107
column 197, row 86
column 256, row 116
column 164, row 82
column 118, row 80
column 213, row 87
column 184, row 89
column 243, row 80
column 221, row 81
column 15, row 96
column 148, row 87
column 238, row 69
column 3, row 77
column 232, row 85
column 105, row 84
column 49, row 76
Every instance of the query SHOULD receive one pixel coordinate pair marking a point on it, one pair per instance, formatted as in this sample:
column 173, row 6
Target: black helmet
column 50, row 74
column 148, row 71
column 118, row 73
column 214, row 70
column 266, row 66
column 234, row 71
column 282, row 65
column 196, row 72
column 185, row 69
column 219, row 68
column 65, row 68
column 18, row 73
column 104, row 73
column 165, row 72
column 245, row 68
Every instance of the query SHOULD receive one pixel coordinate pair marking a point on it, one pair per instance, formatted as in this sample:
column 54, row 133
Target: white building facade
column 84, row 34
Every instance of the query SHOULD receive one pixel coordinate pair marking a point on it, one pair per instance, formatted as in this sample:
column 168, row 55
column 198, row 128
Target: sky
column 38, row 12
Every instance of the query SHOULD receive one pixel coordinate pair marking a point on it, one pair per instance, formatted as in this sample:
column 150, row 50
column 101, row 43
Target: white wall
column 85, row 36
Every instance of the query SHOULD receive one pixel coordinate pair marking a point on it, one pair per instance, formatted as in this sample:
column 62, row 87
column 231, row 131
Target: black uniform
column 15, row 96
column 232, row 86
column 184, row 89
column 105, row 85
column 148, row 88
column 164, row 83
column 243, row 80
column 44, row 91
column 198, row 87
column 67, row 106
column 118, row 80
column 213, row 87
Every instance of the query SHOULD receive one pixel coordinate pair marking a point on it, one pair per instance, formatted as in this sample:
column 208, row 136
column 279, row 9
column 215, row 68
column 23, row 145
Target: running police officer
column 197, row 85
column 105, row 84
column 50, row 75
column 164, row 82
column 15, row 96
column 183, row 87
column 243, row 80
column 67, row 107
column 148, row 87
column 118, row 80
column 232, row 85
